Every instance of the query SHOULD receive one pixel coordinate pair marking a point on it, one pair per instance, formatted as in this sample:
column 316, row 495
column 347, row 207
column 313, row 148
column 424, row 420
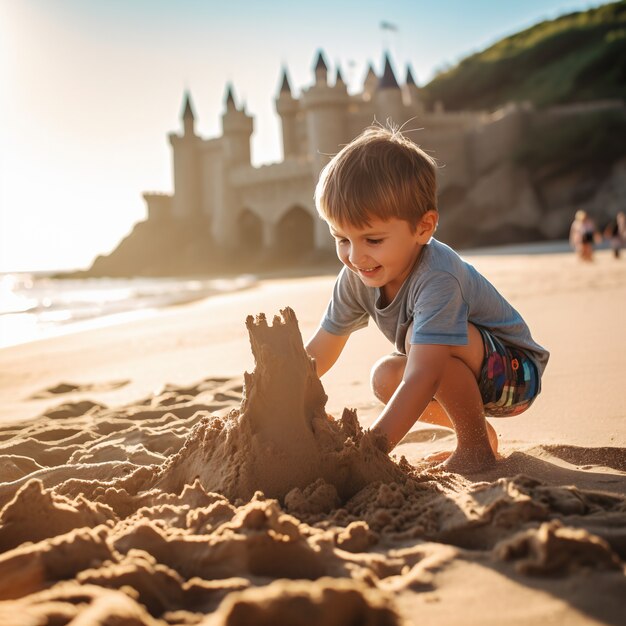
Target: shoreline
column 324, row 269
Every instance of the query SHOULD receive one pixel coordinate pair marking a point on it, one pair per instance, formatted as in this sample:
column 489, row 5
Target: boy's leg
column 458, row 396
column 387, row 374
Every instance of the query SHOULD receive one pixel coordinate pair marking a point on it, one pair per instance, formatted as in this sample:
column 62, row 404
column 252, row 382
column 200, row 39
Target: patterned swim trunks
column 509, row 381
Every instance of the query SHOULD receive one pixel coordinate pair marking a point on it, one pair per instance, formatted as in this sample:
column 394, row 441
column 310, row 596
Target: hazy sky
column 90, row 88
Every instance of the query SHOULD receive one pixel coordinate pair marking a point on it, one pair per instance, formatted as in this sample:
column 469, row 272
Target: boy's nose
column 355, row 255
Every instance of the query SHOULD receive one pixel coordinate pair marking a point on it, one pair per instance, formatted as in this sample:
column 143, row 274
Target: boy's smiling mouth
column 368, row 271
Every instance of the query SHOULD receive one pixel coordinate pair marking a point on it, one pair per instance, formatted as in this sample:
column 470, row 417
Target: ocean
column 36, row 306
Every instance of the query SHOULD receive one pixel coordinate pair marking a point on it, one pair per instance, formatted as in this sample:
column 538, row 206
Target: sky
column 89, row 90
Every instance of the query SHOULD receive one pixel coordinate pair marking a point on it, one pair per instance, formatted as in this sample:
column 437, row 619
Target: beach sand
column 144, row 479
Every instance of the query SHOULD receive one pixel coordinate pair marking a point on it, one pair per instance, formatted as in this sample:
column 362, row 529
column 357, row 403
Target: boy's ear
column 427, row 226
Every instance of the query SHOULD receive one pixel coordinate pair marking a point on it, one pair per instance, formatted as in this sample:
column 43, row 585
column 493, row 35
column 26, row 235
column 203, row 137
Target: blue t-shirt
column 437, row 300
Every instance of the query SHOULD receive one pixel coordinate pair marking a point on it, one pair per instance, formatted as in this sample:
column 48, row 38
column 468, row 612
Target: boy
column 463, row 352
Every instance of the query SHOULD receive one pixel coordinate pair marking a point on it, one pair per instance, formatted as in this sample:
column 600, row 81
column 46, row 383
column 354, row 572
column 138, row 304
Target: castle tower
column 287, row 107
column 370, row 83
column 412, row 94
column 236, row 131
column 235, row 142
column 326, row 110
column 388, row 97
column 186, row 161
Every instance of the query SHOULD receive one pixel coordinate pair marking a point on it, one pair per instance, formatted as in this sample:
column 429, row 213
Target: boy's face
column 383, row 253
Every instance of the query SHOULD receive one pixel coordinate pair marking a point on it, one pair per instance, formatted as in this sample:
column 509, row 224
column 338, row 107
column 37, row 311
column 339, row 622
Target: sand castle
column 281, row 439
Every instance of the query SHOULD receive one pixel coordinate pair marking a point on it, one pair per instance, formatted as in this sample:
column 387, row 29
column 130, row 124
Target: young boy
column 462, row 351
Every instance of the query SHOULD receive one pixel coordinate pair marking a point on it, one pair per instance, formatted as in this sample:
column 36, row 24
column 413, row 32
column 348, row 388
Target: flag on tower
column 388, row 26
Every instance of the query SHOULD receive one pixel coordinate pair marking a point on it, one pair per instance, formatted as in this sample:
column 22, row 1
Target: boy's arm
column 325, row 348
column 422, row 376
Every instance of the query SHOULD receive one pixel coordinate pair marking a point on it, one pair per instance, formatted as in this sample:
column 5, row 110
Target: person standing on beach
column 582, row 235
column 462, row 351
column 615, row 232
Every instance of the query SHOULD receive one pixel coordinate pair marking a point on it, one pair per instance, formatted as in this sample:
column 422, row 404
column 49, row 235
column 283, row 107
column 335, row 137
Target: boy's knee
column 386, row 375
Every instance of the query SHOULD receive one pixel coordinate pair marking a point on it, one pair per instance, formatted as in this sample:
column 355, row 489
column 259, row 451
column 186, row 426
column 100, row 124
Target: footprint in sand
column 63, row 388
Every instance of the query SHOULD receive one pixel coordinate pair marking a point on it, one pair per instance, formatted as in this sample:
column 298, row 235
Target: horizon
column 92, row 91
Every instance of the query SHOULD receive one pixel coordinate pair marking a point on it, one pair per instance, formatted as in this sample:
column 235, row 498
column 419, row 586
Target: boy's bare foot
column 438, row 457
column 469, row 461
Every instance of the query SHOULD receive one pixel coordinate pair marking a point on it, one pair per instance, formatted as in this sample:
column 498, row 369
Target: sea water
column 36, row 306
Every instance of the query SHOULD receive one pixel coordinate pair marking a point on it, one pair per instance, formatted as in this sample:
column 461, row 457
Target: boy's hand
column 422, row 376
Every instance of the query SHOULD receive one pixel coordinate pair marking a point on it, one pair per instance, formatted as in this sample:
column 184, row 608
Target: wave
column 35, row 306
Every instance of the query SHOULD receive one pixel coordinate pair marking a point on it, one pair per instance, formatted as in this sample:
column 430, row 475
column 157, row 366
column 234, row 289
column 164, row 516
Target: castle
column 271, row 207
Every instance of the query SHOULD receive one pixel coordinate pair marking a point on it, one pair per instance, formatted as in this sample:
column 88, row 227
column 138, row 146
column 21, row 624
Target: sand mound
column 247, row 505
column 283, row 418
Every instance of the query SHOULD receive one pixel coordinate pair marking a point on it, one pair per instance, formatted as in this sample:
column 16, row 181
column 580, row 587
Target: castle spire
column 409, row 77
column 388, row 79
column 188, row 116
column 339, row 78
column 411, row 91
column 187, row 107
column 370, row 73
column 229, row 100
column 370, row 82
column 285, row 87
column 321, row 68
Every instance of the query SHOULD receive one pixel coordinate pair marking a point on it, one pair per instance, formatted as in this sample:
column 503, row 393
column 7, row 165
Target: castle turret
column 287, row 107
column 235, row 152
column 338, row 77
column 326, row 111
column 388, row 97
column 412, row 94
column 236, row 131
column 321, row 70
column 186, row 160
column 370, row 83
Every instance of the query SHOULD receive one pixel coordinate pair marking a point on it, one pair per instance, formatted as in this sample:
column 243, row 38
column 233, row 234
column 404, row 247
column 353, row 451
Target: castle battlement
column 270, row 173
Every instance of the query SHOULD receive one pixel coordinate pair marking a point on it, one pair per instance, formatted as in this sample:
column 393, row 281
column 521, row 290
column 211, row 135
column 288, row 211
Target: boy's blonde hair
column 380, row 174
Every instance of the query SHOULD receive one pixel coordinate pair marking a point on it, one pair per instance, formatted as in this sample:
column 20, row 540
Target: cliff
column 577, row 57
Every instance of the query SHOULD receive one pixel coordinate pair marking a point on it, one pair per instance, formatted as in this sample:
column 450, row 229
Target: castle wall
column 390, row 108
column 271, row 191
column 361, row 116
column 159, row 205
column 495, row 140
column 450, row 149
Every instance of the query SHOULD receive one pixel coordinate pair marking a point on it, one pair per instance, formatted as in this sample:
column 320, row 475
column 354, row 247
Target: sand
column 145, row 479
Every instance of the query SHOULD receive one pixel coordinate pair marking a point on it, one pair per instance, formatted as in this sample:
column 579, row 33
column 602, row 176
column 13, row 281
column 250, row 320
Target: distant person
column 615, row 232
column 582, row 235
column 462, row 351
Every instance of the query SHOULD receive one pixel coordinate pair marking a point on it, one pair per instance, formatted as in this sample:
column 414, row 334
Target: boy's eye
column 374, row 241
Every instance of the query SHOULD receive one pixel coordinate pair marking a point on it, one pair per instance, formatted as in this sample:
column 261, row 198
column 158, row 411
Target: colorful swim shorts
column 509, row 381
